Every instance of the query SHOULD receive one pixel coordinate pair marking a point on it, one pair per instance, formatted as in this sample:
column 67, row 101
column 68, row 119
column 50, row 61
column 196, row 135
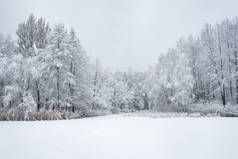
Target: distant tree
column 121, row 96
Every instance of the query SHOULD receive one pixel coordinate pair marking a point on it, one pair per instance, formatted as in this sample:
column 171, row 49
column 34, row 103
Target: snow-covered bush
column 3, row 113
column 16, row 113
column 44, row 114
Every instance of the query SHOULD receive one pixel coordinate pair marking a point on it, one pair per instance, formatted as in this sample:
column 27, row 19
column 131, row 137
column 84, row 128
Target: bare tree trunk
column 38, row 95
column 58, row 93
column 73, row 109
column 222, row 87
column 230, row 76
column 223, row 93
column 71, row 90
column 236, row 66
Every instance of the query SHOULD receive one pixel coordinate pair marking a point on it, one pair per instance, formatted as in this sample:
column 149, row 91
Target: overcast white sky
column 122, row 33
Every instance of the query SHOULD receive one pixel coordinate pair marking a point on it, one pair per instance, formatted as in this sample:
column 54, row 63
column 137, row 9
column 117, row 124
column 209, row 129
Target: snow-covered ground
column 121, row 137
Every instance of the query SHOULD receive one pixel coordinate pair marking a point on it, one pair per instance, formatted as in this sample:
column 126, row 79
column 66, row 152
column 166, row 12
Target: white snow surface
column 120, row 137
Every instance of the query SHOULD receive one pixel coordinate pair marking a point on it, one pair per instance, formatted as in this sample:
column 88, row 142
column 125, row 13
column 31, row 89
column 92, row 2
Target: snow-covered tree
column 19, row 73
column 182, row 81
column 101, row 88
column 121, row 96
column 135, row 85
column 7, row 51
column 57, row 74
column 32, row 34
column 32, row 38
column 80, row 68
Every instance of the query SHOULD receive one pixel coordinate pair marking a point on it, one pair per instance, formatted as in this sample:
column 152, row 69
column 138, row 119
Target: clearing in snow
column 120, row 137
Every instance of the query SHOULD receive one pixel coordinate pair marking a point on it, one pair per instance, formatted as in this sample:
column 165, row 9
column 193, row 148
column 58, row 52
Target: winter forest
column 46, row 74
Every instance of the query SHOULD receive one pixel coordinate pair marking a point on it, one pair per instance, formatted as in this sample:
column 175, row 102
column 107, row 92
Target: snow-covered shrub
column 16, row 113
column 3, row 114
column 20, row 113
column 213, row 107
column 44, row 114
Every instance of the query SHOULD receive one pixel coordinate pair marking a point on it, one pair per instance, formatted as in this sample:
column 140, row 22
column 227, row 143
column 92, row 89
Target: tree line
column 47, row 70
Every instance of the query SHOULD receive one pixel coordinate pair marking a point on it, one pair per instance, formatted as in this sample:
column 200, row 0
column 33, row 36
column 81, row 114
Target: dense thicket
column 47, row 74
column 201, row 69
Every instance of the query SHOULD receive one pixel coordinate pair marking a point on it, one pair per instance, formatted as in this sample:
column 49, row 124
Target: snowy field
column 121, row 137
